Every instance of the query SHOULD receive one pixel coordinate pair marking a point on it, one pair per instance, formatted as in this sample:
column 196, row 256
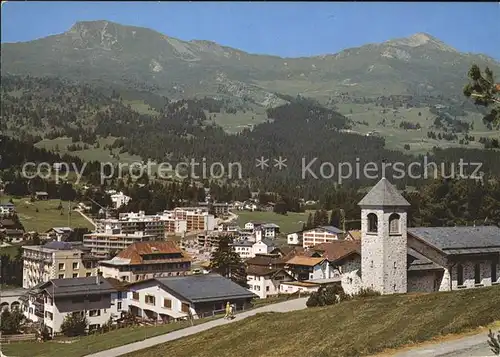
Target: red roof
column 136, row 251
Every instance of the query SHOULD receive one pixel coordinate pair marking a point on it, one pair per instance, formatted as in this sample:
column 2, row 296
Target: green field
column 90, row 154
column 48, row 215
column 353, row 328
column 234, row 123
column 92, row 344
column 140, row 106
column 291, row 222
column 396, row 137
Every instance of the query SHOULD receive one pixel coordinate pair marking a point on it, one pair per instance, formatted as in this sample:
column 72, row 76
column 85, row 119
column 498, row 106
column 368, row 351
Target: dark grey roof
column 332, row 229
column 419, row 262
column 242, row 243
column 59, row 245
column 206, row 287
column 77, row 286
column 270, row 243
column 460, row 240
column 383, row 194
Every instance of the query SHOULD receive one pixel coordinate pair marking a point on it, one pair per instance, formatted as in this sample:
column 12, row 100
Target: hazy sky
column 278, row 28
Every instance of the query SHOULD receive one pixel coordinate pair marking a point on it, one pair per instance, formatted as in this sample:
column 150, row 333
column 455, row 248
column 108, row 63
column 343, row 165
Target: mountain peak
column 421, row 39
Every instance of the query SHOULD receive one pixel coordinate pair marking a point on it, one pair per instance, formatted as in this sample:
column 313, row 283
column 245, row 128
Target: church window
column 460, row 275
column 395, row 265
column 394, row 223
column 372, row 223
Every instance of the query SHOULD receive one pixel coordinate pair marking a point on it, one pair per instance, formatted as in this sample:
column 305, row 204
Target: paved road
column 291, row 305
column 471, row 346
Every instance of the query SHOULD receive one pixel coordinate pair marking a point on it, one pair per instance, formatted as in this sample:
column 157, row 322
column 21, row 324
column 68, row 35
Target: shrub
column 366, row 292
column 494, row 343
column 74, row 324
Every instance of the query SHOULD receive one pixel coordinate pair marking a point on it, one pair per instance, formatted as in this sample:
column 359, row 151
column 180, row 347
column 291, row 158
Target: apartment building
column 102, row 244
column 56, row 260
column 146, row 260
column 197, row 218
column 97, row 298
column 319, row 235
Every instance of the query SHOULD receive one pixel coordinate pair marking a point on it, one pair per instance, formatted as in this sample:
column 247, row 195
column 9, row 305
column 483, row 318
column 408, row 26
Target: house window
column 61, row 276
column 75, row 266
column 167, row 303
column 394, row 223
column 267, row 288
column 135, row 296
column 61, row 266
column 477, row 274
column 494, row 277
column 185, row 307
column 93, row 313
column 150, row 299
column 87, row 274
column 372, row 223
column 119, row 305
column 75, row 275
column 460, row 275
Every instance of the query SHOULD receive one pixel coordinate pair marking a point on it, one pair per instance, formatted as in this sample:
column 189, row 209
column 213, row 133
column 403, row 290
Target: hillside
column 385, row 322
column 145, row 59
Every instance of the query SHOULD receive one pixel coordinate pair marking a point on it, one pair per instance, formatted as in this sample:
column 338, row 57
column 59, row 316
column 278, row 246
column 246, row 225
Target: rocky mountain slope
column 145, row 59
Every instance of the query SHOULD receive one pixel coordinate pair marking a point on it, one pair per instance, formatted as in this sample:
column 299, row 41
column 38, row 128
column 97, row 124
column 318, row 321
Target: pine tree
column 485, row 92
column 335, row 218
column 310, row 221
column 226, row 262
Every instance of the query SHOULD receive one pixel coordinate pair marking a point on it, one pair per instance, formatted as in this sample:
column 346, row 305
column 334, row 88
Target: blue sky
column 280, row 28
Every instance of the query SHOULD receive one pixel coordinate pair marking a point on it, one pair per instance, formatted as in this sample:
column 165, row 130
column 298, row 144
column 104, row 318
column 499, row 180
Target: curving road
column 470, row 346
column 286, row 306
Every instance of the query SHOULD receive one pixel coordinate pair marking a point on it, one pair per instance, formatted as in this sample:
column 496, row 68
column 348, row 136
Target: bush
column 494, row 343
column 74, row 324
column 365, row 293
column 326, row 296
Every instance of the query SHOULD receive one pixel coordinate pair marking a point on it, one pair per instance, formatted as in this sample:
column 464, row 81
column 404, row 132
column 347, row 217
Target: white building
column 244, row 248
column 95, row 297
column 119, row 199
column 318, row 235
column 264, row 246
column 294, row 238
column 55, row 260
column 175, row 298
column 7, row 208
column 265, row 281
column 102, row 244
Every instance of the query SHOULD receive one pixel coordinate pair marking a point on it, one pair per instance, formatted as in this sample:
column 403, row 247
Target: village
column 163, row 268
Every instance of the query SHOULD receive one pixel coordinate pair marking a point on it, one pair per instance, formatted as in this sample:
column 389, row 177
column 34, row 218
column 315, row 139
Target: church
column 393, row 258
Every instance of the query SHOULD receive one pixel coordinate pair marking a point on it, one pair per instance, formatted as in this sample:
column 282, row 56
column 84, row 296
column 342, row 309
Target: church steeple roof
column 383, row 194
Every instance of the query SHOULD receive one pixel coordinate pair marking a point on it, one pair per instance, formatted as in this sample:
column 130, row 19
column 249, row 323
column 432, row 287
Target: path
column 286, row 306
column 470, row 346
column 86, row 217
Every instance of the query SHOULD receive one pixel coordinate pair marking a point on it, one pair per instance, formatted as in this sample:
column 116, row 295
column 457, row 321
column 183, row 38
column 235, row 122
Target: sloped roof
column 265, row 260
column 383, row 194
column 355, row 234
column 262, row 270
column 135, row 251
column 204, row 288
column 305, row 261
column 419, row 262
column 77, row 286
column 337, row 249
column 460, row 238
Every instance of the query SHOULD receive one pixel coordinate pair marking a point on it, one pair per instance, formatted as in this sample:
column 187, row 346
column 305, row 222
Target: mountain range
column 107, row 52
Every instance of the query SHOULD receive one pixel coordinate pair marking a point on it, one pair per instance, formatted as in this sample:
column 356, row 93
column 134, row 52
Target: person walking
column 228, row 310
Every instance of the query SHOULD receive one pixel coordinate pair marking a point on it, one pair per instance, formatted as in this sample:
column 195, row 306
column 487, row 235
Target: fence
column 18, row 338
